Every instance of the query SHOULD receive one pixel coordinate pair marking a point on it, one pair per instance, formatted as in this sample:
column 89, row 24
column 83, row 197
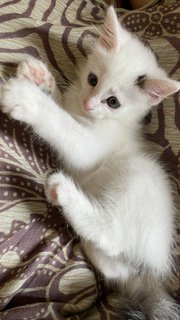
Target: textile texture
column 43, row 272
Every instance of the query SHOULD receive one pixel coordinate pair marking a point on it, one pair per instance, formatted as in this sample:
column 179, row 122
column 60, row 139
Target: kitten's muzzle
column 90, row 103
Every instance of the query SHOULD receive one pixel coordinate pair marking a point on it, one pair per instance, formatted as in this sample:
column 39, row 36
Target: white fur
column 118, row 197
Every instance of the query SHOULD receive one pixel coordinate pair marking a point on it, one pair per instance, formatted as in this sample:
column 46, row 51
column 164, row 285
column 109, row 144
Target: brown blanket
column 43, row 272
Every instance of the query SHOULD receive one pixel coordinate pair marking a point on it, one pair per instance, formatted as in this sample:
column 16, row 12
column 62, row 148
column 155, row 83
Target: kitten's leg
column 77, row 143
column 83, row 214
column 37, row 72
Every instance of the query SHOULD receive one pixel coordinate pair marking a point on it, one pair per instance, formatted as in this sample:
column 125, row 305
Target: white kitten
column 116, row 197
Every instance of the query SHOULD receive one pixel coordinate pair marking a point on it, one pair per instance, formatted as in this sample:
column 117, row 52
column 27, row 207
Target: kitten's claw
column 36, row 71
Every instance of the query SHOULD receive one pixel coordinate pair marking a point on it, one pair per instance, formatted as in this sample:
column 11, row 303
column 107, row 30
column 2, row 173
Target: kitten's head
column 121, row 78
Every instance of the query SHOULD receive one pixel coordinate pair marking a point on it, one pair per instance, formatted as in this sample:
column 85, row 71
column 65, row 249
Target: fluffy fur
column 115, row 195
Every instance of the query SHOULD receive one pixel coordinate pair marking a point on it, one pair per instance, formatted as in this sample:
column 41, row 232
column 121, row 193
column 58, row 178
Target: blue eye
column 92, row 79
column 113, row 102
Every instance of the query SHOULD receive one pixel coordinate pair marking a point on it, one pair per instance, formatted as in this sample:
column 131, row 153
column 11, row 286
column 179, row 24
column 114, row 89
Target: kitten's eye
column 92, row 79
column 113, row 102
column 140, row 79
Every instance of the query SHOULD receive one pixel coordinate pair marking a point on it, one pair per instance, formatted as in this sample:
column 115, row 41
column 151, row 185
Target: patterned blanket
column 43, row 272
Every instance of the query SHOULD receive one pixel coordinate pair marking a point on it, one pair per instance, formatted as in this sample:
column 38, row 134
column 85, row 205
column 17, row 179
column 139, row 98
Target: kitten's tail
column 130, row 311
column 165, row 310
column 149, row 306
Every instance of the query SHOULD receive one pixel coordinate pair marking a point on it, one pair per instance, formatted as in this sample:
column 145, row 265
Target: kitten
column 115, row 195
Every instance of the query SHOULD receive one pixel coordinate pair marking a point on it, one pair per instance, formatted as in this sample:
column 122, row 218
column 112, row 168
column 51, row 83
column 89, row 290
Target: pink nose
column 86, row 104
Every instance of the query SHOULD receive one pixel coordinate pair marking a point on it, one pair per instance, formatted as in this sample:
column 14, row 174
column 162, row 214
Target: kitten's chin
column 89, row 114
column 95, row 115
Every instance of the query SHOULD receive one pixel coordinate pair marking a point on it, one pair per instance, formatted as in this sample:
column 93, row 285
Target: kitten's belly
column 111, row 267
column 138, row 210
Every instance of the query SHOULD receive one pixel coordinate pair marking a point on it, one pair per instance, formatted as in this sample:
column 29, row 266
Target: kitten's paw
column 59, row 189
column 16, row 99
column 36, row 71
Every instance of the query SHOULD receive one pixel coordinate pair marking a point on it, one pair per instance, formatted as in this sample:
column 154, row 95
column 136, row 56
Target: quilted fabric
column 43, row 272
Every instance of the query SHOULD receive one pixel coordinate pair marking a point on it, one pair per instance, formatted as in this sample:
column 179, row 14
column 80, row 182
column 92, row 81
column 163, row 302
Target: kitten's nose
column 91, row 103
column 87, row 104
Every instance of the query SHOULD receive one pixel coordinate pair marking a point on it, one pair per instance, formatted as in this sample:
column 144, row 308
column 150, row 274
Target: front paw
column 37, row 72
column 16, row 98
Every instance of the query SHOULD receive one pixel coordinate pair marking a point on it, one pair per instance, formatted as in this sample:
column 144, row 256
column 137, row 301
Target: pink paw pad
column 32, row 71
column 37, row 74
column 53, row 193
column 35, row 71
column 42, row 72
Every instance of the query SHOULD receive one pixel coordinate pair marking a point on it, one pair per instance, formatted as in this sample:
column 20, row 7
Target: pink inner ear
column 160, row 88
column 109, row 39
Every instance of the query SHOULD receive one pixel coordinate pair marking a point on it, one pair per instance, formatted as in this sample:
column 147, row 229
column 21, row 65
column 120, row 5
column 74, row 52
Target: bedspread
column 43, row 272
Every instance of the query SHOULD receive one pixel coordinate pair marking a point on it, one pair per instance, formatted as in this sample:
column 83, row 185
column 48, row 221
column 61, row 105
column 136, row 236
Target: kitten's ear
column 112, row 34
column 158, row 89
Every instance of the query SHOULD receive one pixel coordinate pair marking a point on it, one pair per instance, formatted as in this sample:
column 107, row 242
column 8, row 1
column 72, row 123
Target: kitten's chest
column 107, row 177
